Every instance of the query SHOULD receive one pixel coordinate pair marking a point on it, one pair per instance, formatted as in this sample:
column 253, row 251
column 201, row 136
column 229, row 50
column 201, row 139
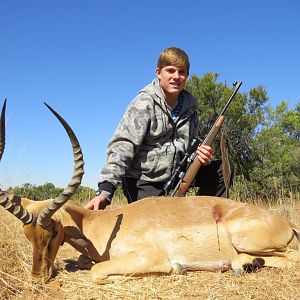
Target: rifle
column 188, row 167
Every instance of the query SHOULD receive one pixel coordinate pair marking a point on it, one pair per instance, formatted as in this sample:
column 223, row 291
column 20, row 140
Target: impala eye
column 54, row 232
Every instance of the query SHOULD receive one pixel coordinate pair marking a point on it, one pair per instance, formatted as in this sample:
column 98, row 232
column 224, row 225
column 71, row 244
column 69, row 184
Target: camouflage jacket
column 148, row 144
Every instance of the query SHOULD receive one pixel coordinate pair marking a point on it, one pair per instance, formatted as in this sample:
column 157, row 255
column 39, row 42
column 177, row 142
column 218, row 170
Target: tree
column 49, row 191
column 264, row 143
column 291, row 122
column 41, row 192
column 277, row 173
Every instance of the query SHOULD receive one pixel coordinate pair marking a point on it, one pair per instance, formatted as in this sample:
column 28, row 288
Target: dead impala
column 151, row 236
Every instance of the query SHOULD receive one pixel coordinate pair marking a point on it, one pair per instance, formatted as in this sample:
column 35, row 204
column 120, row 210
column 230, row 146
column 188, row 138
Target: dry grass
column 15, row 283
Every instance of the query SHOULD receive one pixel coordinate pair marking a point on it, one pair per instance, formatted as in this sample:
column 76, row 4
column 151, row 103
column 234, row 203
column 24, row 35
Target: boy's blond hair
column 173, row 57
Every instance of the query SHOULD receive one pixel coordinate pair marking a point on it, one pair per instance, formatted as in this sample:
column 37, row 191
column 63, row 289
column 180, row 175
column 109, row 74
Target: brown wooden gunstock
column 196, row 164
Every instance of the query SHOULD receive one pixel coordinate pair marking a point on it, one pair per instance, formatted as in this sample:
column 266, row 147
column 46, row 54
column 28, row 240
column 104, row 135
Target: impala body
column 164, row 235
column 156, row 235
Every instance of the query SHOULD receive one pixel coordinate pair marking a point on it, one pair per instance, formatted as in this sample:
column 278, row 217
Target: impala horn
column 2, row 129
column 44, row 218
column 13, row 207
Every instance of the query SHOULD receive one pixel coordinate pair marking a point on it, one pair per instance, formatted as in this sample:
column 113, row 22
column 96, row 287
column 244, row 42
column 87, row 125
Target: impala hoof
column 238, row 272
column 178, row 269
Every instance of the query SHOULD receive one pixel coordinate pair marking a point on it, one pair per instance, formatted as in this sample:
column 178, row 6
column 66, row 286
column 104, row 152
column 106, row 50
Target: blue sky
column 88, row 59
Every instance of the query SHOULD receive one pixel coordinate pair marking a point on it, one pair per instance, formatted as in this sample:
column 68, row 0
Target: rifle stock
column 195, row 164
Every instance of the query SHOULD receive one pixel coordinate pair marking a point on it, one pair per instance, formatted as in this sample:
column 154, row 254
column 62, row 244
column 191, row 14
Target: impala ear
column 75, row 237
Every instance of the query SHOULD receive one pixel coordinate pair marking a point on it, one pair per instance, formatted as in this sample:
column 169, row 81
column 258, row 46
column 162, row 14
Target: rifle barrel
column 237, row 86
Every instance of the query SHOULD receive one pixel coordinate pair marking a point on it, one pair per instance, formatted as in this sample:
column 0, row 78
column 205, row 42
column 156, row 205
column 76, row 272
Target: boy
column 152, row 137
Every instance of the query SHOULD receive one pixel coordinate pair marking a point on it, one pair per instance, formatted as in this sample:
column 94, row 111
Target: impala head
column 45, row 243
column 44, row 233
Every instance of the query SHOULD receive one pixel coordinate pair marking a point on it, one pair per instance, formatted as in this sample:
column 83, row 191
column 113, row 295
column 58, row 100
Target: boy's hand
column 205, row 154
column 97, row 203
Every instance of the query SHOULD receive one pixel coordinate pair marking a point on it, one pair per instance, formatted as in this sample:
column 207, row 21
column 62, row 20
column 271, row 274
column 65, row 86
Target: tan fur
column 163, row 235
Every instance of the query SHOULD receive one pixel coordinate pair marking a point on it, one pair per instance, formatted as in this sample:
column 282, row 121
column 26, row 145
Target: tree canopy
column 49, row 191
column 263, row 142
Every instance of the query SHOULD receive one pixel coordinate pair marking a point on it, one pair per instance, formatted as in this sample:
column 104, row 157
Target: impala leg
column 289, row 259
column 245, row 262
column 131, row 264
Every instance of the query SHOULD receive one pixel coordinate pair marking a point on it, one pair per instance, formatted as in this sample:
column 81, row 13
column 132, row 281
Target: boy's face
column 172, row 79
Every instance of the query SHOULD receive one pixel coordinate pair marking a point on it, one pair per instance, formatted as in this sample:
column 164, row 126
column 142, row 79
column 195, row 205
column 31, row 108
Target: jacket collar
column 154, row 90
